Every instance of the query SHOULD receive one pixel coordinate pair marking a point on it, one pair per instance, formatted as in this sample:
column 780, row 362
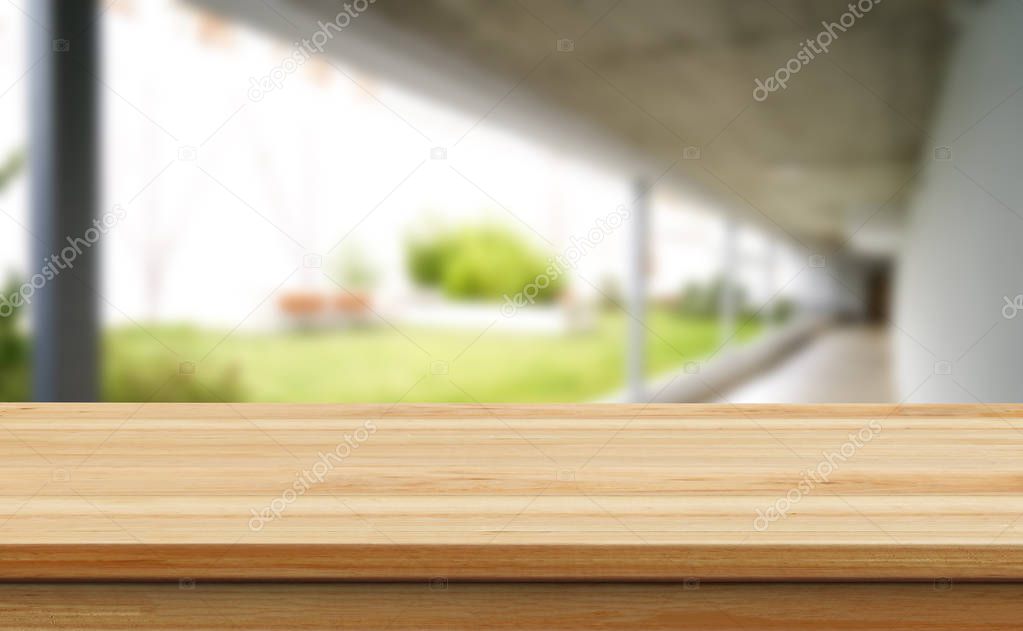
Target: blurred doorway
column 878, row 308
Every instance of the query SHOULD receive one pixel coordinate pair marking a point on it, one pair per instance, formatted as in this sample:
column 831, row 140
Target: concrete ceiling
column 817, row 157
column 814, row 160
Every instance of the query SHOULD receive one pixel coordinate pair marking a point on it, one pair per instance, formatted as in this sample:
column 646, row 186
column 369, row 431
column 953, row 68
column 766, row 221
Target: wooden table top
column 509, row 492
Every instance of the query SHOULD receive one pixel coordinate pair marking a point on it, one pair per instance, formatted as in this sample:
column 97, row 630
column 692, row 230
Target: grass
column 380, row 364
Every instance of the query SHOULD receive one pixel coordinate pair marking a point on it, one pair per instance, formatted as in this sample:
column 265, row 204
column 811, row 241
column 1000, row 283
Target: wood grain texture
column 578, row 492
column 545, row 607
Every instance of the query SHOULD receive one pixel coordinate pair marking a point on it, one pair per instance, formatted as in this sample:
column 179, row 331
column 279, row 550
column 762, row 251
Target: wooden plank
column 588, row 492
column 938, row 606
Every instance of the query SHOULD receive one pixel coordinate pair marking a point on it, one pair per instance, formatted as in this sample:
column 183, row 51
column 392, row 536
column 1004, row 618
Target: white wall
column 963, row 252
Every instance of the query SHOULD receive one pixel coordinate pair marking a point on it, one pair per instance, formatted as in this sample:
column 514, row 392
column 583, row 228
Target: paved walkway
column 843, row 365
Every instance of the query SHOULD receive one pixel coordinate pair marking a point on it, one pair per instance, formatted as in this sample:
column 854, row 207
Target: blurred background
column 511, row 200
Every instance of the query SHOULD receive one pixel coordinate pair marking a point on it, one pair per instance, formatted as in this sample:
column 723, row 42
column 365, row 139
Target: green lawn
column 379, row 364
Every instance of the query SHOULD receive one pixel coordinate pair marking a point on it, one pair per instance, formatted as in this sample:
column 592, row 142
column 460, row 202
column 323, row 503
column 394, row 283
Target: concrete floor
column 842, row 365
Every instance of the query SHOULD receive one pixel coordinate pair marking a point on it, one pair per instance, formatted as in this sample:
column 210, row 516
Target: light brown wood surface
column 543, row 607
column 662, row 492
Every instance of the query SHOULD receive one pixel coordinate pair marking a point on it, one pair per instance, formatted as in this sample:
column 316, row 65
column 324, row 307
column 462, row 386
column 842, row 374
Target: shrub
column 164, row 381
column 782, row 310
column 704, row 300
column 137, row 369
column 484, row 262
column 611, row 295
column 14, row 353
column 427, row 259
column 355, row 269
column 11, row 167
column 14, row 346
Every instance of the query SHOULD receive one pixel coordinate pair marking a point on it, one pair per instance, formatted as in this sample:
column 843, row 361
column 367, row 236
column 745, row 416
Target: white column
column 728, row 306
column 636, row 294
column 770, row 281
